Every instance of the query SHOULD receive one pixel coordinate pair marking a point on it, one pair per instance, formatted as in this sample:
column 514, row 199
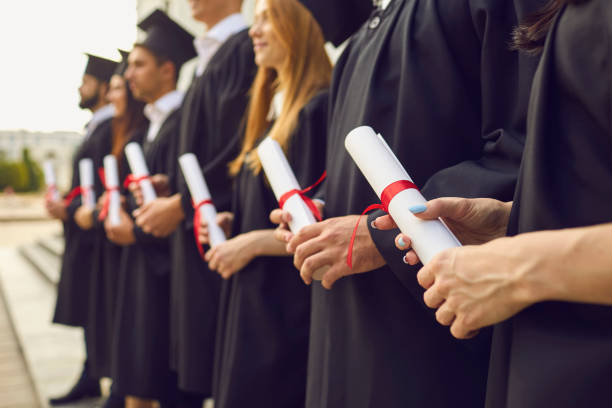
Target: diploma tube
column 86, row 177
column 381, row 168
column 111, row 176
column 282, row 180
column 200, row 193
column 139, row 169
column 50, row 181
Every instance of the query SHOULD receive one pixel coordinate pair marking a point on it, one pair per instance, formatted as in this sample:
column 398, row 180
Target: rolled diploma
column 86, row 176
column 138, row 166
column 111, row 176
column 381, row 168
column 282, row 179
column 50, row 179
column 199, row 192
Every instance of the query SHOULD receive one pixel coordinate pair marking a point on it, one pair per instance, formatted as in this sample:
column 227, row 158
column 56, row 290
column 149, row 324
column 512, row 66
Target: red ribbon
column 387, row 195
column 77, row 191
column 133, row 179
column 106, row 204
column 311, row 205
column 196, row 223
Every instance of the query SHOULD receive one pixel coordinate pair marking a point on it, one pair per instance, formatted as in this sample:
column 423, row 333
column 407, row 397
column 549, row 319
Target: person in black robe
column 264, row 341
column 128, row 124
column 140, row 362
column 438, row 81
column 213, row 110
column 552, row 281
column 73, row 288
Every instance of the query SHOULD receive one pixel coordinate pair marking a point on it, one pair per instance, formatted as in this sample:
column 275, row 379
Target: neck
column 163, row 91
column 101, row 103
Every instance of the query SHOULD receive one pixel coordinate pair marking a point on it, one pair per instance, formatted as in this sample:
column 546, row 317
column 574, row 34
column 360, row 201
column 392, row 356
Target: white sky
column 41, row 52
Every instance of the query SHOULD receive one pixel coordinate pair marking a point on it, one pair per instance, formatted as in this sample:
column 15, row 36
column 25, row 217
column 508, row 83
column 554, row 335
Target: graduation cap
column 339, row 19
column 122, row 66
column 165, row 38
column 99, row 67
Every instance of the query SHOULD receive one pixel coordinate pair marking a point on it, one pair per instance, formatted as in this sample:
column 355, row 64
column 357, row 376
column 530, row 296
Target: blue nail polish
column 417, row 209
column 401, row 242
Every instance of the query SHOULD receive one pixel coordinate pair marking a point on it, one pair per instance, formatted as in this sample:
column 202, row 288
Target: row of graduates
column 439, row 81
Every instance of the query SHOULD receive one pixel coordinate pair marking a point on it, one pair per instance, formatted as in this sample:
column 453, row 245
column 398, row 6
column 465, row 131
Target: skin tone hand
column 56, row 209
column 122, row 234
column 325, row 244
column 224, row 220
column 161, row 216
column 234, row 254
column 473, row 221
column 160, row 183
column 84, row 217
column 283, row 218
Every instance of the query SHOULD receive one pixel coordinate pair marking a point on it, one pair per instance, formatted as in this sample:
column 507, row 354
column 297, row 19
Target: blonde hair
column 306, row 71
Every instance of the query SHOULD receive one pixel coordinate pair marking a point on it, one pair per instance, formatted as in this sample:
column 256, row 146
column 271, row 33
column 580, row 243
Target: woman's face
column 117, row 94
column 269, row 53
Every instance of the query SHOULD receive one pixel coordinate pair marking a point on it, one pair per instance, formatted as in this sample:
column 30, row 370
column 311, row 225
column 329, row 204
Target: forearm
column 264, row 243
column 576, row 265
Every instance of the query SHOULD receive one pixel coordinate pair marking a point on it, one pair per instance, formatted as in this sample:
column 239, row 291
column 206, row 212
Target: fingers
column 312, row 264
column 140, row 212
column 426, row 276
column 433, row 298
column 402, row 242
column 461, row 331
column 448, row 207
column 279, row 216
column 306, row 250
column 384, row 223
column 305, row 234
column 445, row 315
column 339, row 270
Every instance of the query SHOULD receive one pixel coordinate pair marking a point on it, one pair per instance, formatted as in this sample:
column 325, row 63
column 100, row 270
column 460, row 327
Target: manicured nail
column 373, row 224
column 417, row 209
column 401, row 242
column 404, row 259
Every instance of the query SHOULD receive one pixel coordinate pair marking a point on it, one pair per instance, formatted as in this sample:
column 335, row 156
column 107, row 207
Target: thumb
column 453, row 208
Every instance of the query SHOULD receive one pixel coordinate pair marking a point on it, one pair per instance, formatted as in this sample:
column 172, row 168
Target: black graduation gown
column 557, row 354
column 436, row 79
column 73, row 288
column 265, row 339
column 104, row 281
column 213, row 111
column 141, row 345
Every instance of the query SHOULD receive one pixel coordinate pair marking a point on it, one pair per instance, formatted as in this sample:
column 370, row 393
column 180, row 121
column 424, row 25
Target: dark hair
column 131, row 121
column 530, row 35
column 161, row 58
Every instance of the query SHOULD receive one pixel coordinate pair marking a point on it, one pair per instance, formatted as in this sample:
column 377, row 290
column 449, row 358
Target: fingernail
column 417, row 209
column 405, row 260
column 401, row 242
column 373, row 224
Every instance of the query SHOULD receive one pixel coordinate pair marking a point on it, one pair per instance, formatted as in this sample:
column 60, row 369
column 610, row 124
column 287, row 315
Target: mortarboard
column 339, row 19
column 122, row 66
column 99, row 67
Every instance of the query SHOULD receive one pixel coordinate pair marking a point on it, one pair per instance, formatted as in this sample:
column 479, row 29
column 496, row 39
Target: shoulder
column 235, row 50
column 317, row 105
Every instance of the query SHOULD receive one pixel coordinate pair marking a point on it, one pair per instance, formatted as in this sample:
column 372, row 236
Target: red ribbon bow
column 196, row 223
column 302, row 193
column 106, row 204
column 74, row 193
column 133, row 179
column 386, row 196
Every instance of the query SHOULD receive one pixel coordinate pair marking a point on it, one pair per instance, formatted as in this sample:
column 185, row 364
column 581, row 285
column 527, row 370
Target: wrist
column 176, row 203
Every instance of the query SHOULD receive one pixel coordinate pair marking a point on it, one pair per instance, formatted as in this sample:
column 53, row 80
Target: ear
column 104, row 87
column 169, row 71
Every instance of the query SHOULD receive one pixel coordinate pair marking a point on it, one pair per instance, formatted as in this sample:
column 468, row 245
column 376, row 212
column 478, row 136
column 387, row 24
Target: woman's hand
column 232, row 255
column 473, row 221
column 224, row 219
column 56, row 209
column 122, row 234
column 84, row 217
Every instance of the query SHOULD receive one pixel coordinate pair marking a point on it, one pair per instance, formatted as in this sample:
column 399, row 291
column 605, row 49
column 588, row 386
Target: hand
column 476, row 286
column 57, row 209
column 232, row 255
column 224, row 220
column 326, row 244
column 161, row 216
column 473, row 221
column 161, row 184
column 122, row 234
column 283, row 218
column 84, row 217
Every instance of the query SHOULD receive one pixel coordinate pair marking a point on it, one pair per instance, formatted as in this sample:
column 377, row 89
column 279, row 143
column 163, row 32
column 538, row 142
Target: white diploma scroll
column 381, row 168
column 282, row 180
column 86, row 177
column 111, row 176
column 199, row 192
column 139, row 169
column 50, row 180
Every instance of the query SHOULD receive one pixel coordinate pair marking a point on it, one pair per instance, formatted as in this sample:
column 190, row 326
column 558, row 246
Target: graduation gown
column 437, row 80
column 73, row 288
column 140, row 360
column 265, row 340
column 104, row 281
column 213, row 111
column 556, row 354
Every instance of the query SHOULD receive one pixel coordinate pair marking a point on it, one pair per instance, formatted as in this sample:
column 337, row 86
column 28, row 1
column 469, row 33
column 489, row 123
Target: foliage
column 22, row 176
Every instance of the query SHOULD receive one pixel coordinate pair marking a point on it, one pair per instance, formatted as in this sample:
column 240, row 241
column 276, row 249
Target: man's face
column 144, row 75
column 203, row 9
column 89, row 91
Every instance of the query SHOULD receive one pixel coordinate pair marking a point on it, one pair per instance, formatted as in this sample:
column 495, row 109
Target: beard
column 88, row 103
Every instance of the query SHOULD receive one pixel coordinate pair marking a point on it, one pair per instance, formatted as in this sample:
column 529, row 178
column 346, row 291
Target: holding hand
column 224, row 220
column 56, row 209
column 161, row 184
column 161, row 216
column 283, row 218
column 84, row 217
column 232, row 255
column 122, row 234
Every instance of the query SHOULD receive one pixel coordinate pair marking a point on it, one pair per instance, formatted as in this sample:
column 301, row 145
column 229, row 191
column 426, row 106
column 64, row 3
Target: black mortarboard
column 122, row 66
column 100, row 68
column 166, row 38
column 339, row 19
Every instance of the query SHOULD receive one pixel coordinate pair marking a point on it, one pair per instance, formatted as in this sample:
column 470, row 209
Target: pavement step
column 54, row 354
column 54, row 245
column 43, row 261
